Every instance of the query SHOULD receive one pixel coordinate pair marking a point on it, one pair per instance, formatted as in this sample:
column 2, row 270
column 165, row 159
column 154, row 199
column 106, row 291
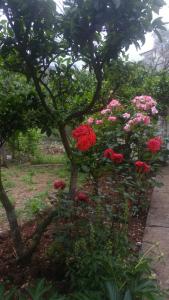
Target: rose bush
column 120, row 141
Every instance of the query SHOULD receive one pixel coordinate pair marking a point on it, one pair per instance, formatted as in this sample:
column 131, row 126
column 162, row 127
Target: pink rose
column 146, row 120
column 113, row 103
column 99, row 122
column 127, row 128
column 126, row 115
column 90, row 121
column 105, row 111
column 112, row 118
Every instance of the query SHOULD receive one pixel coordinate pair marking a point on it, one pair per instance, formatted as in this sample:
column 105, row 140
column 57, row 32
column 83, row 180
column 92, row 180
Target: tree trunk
column 74, row 167
column 12, row 219
column 3, row 157
column 73, row 180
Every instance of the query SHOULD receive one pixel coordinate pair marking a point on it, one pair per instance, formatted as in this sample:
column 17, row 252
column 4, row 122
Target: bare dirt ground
column 24, row 185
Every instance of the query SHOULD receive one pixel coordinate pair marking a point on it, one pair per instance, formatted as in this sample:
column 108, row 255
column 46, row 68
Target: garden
column 81, row 148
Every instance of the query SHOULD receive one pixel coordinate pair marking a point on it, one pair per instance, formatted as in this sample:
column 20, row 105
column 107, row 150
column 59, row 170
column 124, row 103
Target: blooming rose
column 113, row 103
column 59, row 184
column 127, row 128
column 112, row 118
column 146, row 120
column 81, row 196
column 108, row 153
column 142, row 167
column 90, row 121
column 154, row 144
column 99, row 122
column 126, row 115
column 118, row 157
column 105, row 111
column 84, row 136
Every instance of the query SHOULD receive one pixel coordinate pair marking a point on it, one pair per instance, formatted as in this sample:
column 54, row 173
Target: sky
column 133, row 53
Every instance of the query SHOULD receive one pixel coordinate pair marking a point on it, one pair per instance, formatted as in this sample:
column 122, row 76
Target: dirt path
column 157, row 230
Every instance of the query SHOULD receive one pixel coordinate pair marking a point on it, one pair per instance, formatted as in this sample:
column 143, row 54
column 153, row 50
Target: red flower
column 59, row 184
column 142, row 167
column 118, row 157
column 81, row 196
column 154, row 144
column 84, row 136
column 108, row 153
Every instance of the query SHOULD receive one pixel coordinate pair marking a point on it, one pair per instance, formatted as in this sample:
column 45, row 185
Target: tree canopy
column 36, row 36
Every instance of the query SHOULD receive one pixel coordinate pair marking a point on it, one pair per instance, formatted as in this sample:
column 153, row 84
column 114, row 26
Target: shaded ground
column 28, row 187
column 41, row 265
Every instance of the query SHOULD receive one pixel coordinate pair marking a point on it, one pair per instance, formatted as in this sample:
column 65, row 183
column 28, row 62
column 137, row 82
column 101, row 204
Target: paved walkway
column 157, row 229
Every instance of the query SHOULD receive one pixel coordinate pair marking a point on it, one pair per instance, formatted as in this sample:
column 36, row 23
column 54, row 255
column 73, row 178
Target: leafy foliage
column 15, row 101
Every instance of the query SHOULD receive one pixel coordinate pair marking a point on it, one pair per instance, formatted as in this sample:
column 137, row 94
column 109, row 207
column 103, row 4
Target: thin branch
column 38, row 234
column 89, row 107
column 49, row 92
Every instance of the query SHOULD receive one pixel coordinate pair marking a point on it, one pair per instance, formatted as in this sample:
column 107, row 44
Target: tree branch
column 88, row 108
column 38, row 234
column 21, row 48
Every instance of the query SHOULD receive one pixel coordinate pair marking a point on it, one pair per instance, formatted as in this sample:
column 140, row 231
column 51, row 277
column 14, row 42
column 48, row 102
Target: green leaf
column 113, row 291
column 128, row 295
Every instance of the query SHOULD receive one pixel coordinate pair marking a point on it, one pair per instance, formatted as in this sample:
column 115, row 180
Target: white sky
column 133, row 53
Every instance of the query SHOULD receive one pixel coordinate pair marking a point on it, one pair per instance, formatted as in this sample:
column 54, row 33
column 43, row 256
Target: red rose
column 146, row 168
column 81, row 196
column 154, row 144
column 84, row 136
column 142, row 167
column 118, row 157
column 108, row 153
column 59, row 184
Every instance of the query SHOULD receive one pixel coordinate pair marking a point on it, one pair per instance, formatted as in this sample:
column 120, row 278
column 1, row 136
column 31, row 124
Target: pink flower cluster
column 113, row 104
column 139, row 118
column 145, row 103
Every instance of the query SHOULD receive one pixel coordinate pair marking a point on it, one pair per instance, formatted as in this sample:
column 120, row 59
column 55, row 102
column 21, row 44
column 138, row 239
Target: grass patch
column 49, row 159
column 28, row 178
column 35, row 204
column 8, row 184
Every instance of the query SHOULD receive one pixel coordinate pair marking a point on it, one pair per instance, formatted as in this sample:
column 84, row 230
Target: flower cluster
column 145, row 103
column 106, row 112
column 112, row 155
column 139, row 118
column 142, row 110
column 142, row 167
column 113, row 104
column 85, row 137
